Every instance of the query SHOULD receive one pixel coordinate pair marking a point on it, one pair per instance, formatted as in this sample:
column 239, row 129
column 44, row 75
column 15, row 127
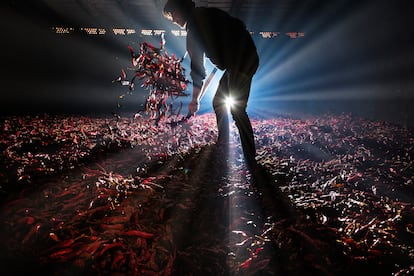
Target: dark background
column 356, row 56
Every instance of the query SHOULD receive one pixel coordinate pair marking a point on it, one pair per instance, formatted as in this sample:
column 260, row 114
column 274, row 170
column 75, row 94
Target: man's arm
column 197, row 73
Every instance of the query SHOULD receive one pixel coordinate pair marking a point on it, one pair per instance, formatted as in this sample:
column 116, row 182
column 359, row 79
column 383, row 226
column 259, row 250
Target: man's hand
column 193, row 107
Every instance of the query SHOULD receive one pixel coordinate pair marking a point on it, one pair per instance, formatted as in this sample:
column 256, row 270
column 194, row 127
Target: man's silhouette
column 224, row 39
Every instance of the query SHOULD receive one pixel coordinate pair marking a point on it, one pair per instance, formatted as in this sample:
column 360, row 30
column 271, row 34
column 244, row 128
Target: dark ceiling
column 281, row 14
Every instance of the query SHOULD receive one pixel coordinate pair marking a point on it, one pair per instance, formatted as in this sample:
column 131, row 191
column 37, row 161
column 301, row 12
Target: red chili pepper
column 111, row 245
column 27, row 220
column 258, row 250
column 246, row 263
column 93, row 247
column 118, row 261
column 32, row 232
column 138, row 233
column 61, row 253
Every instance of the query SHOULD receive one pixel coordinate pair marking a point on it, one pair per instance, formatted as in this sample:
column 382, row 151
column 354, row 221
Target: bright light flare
column 229, row 101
